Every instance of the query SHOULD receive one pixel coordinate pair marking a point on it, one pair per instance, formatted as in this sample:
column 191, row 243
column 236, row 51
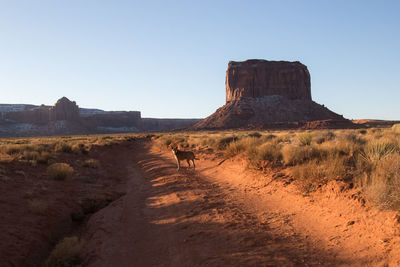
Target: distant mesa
column 66, row 117
column 270, row 94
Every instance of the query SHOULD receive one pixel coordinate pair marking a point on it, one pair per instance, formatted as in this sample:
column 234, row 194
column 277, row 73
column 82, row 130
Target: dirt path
column 225, row 215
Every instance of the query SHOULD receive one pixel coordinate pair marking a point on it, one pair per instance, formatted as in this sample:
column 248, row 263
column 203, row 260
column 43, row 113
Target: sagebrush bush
column 12, row 149
column 65, row 253
column 382, row 184
column 63, row 147
column 324, row 136
column 44, row 157
column 255, row 134
column 222, row 143
column 234, row 148
column 293, row 154
column 396, row 128
column 315, row 173
column 59, row 171
column 305, row 139
column 31, row 155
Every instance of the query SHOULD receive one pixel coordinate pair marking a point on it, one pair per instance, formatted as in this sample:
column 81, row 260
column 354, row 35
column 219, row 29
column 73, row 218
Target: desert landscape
column 199, row 133
column 279, row 181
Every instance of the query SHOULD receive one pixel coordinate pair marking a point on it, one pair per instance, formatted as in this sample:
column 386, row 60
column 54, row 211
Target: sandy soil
column 29, row 233
column 223, row 214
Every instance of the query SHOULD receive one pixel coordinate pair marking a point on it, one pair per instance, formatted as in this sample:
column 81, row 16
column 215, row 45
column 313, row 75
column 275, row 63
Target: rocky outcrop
column 65, row 117
column 258, row 78
column 268, row 94
column 64, row 109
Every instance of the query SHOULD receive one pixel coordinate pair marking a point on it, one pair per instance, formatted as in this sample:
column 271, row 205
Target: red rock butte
column 270, row 94
column 257, row 78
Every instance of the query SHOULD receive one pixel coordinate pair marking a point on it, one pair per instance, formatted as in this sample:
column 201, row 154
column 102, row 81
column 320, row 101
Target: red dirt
column 226, row 215
column 27, row 237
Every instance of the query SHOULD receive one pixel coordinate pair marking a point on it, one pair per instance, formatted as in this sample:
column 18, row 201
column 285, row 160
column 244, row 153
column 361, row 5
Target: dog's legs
column 188, row 163
column 179, row 163
column 194, row 166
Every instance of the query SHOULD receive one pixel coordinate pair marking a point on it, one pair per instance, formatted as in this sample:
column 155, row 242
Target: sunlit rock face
column 256, row 78
column 264, row 94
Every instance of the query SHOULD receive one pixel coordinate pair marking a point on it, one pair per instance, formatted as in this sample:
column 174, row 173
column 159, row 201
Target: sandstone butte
column 270, row 94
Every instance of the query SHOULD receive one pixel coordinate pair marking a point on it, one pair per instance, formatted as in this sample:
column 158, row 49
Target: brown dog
column 183, row 155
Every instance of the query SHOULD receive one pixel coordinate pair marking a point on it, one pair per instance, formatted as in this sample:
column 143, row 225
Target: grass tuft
column 59, row 171
column 65, row 253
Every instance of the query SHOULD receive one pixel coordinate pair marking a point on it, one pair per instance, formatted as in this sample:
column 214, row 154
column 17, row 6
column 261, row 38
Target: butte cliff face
column 265, row 94
column 258, row 78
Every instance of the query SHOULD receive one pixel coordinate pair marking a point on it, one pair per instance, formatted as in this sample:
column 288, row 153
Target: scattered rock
column 350, row 223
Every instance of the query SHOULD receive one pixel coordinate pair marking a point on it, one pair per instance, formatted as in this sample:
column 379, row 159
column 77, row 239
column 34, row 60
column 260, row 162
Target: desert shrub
column 354, row 138
column 12, row 149
column 223, row 142
column 242, row 145
column 255, row 134
column 266, row 152
column 382, row 184
column 362, row 131
column 305, row 139
column 396, row 128
column 234, row 148
column 315, row 173
column 59, row 171
column 376, row 151
column 91, row 163
column 270, row 137
column 62, row 147
column 31, row 155
column 65, row 253
column 343, row 147
column 77, row 148
column 37, row 207
column 292, row 154
column 324, row 136
column 207, row 141
column 171, row 140
column 43, row 157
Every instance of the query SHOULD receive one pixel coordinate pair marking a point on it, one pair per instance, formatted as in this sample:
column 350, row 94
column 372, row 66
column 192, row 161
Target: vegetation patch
column 91, row 163
column 65, row 253
column 59, row 171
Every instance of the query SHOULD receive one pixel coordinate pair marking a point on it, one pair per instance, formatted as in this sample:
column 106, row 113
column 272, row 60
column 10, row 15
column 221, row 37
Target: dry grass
column 305, row 139
column 91, row 163
column 315, row 157
column 382, row 183
column 59, row 171
column 396, row 128
column 63, row 147
column 367, row 157
column 65, row 253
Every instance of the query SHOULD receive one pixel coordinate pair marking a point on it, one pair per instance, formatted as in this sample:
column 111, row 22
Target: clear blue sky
column 168, row 58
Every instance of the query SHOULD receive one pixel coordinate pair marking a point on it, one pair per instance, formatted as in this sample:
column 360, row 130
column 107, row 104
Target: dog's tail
column 196, row 158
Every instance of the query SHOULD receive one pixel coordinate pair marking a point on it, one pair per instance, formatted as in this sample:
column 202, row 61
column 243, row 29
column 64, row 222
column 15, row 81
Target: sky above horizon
column 168, row 59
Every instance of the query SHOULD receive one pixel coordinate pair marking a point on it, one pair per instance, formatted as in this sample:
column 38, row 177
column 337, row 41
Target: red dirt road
column 226, row 215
